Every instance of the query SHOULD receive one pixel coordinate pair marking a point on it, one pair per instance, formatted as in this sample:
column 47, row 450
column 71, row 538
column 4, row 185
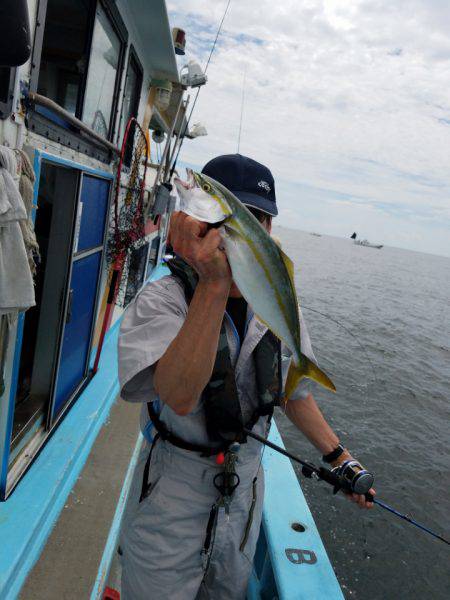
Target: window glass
column 131, row 95
column 101, row 81
column 136, row 272
column 64, row 52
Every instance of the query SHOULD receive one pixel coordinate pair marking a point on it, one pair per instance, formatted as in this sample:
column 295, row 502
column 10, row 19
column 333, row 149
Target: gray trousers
column 163, row 536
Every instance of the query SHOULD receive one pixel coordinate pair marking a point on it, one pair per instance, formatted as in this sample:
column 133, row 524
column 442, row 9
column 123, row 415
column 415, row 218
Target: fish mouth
column 198, row 199
column 180, row 183
column 190, row 182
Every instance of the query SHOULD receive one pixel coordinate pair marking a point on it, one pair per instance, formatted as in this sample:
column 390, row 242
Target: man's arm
column 306, row 416
column 183, row 371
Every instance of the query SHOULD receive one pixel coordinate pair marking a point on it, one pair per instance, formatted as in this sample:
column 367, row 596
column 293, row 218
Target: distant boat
column 367, row 244
column 316, row 234
column 364, row 242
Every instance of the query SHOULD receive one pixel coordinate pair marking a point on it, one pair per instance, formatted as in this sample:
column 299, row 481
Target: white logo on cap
column 264, row 185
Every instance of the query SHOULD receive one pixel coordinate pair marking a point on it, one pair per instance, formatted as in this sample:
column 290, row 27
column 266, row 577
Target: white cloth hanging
column 26, row 189
column 16, row 281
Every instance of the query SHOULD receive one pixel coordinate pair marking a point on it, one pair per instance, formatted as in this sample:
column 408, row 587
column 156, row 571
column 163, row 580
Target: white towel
column 12, row 207
column 16, row 281
column 26, row 189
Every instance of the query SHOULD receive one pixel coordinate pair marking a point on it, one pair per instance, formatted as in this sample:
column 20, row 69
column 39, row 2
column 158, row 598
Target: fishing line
column 242, row 110
column 219, row 29
column 217, row 34
column 348, row 331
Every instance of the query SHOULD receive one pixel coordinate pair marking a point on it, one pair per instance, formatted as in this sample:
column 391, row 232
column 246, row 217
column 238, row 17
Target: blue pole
column 410, row 520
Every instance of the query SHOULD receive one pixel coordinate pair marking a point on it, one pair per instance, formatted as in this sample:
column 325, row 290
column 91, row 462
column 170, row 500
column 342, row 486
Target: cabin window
column 131, row 96
column 65, row 52
column 77, row 59
column 104, row 68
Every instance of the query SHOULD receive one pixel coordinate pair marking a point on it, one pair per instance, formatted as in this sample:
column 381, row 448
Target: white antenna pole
column 242, row 108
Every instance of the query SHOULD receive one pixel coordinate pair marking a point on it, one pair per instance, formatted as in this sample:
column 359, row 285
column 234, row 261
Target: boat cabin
column 92, row 67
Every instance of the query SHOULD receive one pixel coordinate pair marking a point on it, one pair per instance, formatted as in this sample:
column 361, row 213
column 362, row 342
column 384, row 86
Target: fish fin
column 288, row 264
column 310, row 370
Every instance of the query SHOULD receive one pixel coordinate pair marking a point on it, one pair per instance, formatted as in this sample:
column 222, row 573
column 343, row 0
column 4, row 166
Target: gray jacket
column 150, row 324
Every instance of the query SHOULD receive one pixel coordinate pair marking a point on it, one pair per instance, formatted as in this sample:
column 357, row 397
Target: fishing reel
column 352, row 478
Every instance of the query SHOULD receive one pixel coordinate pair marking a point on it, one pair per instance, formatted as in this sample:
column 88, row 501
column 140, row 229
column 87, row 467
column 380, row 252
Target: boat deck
column 68, row 565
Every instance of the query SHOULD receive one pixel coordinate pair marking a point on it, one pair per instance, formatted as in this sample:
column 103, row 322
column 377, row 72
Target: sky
column 347, row 102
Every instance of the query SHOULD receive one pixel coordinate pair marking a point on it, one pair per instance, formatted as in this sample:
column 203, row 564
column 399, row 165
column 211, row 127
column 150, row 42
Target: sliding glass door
column 82, row 293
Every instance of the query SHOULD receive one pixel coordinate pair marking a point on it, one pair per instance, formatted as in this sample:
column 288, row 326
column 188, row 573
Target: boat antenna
column 242, row 109
column 219, row 29
column 345, row 478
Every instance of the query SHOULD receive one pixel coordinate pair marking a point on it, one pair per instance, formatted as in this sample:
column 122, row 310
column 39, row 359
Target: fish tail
column 306, row 369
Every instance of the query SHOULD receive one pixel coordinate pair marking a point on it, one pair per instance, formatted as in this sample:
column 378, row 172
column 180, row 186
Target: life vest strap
column 166, row 435
column 173, row 439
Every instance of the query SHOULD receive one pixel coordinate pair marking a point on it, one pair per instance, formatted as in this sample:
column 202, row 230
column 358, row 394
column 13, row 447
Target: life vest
column 223, row 412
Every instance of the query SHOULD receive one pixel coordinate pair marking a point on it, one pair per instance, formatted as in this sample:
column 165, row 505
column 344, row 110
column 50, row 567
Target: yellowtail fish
column 261, row 270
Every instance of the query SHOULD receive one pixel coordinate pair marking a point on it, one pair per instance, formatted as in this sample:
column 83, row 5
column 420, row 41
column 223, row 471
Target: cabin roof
column 152, row 26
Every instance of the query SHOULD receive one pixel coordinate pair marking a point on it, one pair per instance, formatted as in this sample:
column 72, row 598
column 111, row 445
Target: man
column 192, row 351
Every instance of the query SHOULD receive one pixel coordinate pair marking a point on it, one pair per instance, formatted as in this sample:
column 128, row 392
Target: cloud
column 348, row 103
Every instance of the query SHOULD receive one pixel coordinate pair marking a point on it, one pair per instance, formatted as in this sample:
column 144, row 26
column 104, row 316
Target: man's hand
column 200, row 247
column 306, row 415
column 183, row 371
column 359, row 499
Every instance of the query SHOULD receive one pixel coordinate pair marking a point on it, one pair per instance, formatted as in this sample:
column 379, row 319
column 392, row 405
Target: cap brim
column 258, row 202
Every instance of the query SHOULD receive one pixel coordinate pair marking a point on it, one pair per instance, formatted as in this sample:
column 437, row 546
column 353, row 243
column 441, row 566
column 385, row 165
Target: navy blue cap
column 250, row 181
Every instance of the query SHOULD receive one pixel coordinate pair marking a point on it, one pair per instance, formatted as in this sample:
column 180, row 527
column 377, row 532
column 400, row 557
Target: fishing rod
column 348, row 477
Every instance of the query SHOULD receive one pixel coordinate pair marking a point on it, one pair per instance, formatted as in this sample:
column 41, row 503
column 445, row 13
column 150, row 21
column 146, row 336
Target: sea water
column 391, row 367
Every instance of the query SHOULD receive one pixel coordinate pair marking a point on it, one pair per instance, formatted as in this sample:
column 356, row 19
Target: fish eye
column 206, row 187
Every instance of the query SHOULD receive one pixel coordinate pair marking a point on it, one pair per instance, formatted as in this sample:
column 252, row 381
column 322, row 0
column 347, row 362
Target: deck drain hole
column 298, row 527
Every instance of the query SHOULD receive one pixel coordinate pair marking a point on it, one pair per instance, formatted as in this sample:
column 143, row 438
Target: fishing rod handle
column 333, row 477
